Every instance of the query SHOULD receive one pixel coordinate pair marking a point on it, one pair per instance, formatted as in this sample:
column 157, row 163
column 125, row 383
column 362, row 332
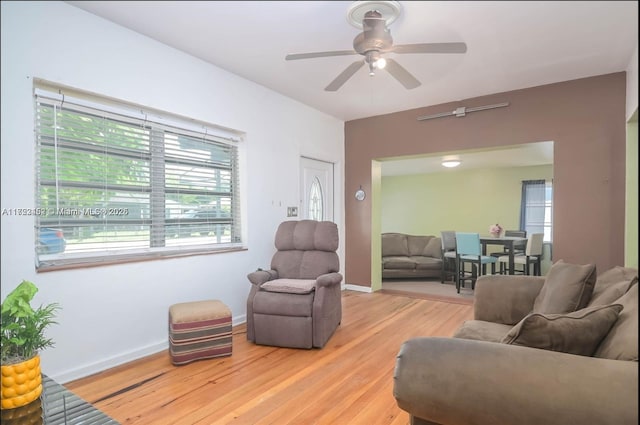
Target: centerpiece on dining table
column 496, row 230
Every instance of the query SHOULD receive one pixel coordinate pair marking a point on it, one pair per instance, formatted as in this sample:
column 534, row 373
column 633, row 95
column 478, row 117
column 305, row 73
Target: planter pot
column 21, row 383
column 31, row 414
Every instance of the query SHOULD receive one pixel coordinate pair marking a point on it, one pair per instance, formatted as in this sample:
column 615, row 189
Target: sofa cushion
column 621, row 343
column 482, row 331
column 433, row 248
column 394, row 244
column 427, row 263
column 616, row 274
column 404, row 263
column 418, row 243
column 567, row 287
column 612, row 284
column 578, row 332
column 611, row 293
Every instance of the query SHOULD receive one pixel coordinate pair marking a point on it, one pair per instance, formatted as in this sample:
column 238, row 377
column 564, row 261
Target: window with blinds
column 536, row 208
column 117, row 184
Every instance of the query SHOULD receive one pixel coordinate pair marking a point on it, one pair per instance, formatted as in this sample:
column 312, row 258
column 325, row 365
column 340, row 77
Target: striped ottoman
column 199, row 330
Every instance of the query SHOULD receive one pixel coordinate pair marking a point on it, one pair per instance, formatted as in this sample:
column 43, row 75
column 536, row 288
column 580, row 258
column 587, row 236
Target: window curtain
column 532, row 206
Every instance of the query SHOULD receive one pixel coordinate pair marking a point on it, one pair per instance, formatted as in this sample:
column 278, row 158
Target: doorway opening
column 419, row 196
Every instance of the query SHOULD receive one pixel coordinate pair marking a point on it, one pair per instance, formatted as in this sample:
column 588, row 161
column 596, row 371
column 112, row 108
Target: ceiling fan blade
column 402, row 75
column 344, row 76
column 431, row 48
column 296, row 56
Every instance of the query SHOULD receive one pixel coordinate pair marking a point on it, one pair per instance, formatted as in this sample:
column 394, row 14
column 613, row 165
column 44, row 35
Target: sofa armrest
column 505, row 299
column 459, row 381
column 261, row 276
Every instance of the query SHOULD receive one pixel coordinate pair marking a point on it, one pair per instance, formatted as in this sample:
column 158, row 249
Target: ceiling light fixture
column 463, row 111
column 451, row 163
column 375, row 61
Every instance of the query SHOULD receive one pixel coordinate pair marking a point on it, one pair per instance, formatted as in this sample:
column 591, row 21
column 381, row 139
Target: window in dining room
column 536, row 210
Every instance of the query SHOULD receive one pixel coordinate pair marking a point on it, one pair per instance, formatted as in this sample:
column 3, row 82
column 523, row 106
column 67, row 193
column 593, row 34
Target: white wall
column 113, row 314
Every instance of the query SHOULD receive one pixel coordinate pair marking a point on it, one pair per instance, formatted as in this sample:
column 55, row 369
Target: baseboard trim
column 358, row 288
column 100, row 366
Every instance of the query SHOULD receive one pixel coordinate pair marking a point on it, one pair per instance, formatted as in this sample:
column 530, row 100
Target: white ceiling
column 510, row 45
column 524, row 155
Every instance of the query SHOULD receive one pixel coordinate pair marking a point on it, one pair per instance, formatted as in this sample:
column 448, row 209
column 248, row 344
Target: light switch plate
column 292, row 211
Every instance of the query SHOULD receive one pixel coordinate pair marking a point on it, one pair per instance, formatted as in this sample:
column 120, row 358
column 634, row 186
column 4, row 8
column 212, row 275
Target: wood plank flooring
column 349, row 381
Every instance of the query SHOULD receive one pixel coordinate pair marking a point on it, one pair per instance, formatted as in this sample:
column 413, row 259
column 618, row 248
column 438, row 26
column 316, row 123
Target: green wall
column 376, row 243
column 631, row 209
column 464, row 201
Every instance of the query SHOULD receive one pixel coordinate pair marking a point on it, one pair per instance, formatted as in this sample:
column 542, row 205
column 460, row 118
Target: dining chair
column 532, row 255
column 448, row 241
column 469, row 251
column 518, row 247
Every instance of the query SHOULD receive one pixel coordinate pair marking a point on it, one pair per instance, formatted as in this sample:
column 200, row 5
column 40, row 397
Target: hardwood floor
column 349, row 381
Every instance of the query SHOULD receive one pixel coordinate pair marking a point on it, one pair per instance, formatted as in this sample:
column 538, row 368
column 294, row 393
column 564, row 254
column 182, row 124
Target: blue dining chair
column 469, row 251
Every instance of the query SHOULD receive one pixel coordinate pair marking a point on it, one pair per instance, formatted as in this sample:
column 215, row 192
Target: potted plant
column 23, row 336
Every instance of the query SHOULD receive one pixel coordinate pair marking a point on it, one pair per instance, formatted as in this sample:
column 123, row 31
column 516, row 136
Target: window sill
column 115, row 260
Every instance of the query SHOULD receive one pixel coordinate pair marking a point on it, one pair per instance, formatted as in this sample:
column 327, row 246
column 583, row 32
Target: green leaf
column 17, row 302
column 22, row 328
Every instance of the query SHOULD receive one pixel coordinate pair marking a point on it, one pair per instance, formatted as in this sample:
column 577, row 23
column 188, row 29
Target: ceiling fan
column 374, row 41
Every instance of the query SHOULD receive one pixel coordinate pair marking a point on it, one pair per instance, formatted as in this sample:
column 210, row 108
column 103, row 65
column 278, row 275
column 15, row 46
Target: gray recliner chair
column 297, row 303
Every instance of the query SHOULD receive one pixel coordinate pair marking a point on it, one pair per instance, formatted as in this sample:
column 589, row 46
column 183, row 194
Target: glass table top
column 56, row 405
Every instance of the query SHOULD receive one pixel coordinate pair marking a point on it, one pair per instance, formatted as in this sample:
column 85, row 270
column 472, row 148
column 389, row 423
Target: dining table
column 507, row 241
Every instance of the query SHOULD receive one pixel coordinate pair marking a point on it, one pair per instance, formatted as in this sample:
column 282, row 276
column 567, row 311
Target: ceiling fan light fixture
column 375, row 61
column 451, row 163
column 380, row 63
column 374, row 18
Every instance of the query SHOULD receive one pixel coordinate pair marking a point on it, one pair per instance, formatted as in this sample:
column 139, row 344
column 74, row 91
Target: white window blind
column 120, row 184
column 536, row 209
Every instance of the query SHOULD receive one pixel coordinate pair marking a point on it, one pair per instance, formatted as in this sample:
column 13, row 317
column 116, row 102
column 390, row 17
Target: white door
column 316, row 187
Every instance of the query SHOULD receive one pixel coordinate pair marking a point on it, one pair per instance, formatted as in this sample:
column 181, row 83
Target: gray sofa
column 407, row 256
column 516, row 363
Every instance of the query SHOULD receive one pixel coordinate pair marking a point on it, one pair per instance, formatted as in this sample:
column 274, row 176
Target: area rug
column 429, row 289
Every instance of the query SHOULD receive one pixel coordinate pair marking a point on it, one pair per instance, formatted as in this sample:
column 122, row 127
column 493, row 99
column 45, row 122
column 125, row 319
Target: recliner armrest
column 505, row 299
column 261, row 276
column 329, row 279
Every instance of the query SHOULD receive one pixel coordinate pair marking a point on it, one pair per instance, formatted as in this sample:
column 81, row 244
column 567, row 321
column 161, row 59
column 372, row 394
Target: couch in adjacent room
column 408, row 256
column 554, row 350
